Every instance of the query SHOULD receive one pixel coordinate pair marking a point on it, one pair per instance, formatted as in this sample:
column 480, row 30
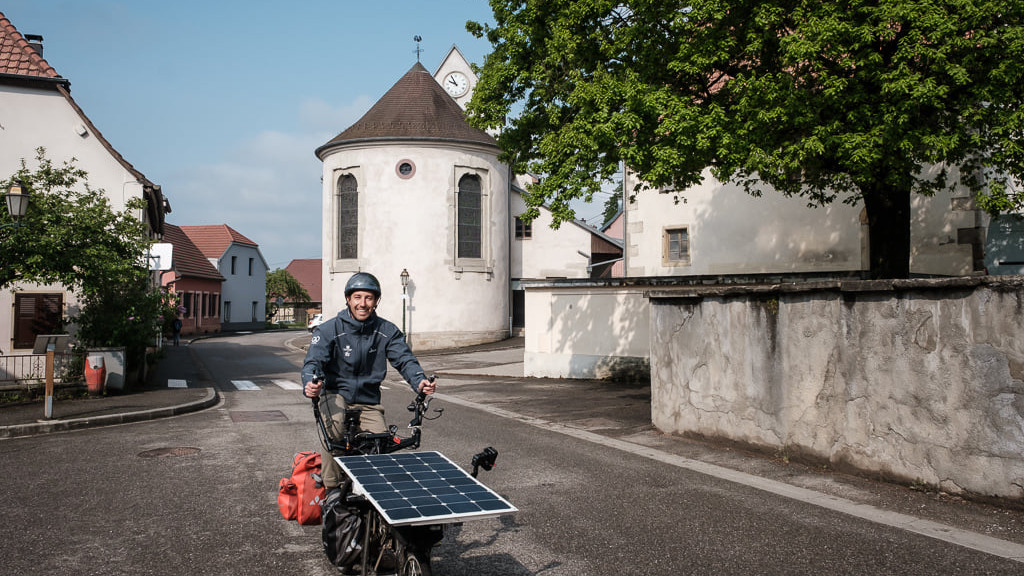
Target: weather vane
column 417, row 38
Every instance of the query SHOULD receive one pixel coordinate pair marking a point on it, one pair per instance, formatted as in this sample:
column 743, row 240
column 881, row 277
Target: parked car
column 315, row 321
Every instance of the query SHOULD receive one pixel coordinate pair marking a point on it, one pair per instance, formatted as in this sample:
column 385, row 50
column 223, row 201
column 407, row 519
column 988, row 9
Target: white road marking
column 943, row 532
column 288, row 385
column 245, row 385
column 174, row 383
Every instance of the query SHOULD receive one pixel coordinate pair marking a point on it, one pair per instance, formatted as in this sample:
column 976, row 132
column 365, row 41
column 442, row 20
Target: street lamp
column 17, row 202
column 405, row 284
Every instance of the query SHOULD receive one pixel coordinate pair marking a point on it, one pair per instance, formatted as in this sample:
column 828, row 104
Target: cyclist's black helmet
column 362, row 281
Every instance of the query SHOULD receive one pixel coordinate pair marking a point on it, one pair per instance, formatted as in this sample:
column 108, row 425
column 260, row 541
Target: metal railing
column 28, row 371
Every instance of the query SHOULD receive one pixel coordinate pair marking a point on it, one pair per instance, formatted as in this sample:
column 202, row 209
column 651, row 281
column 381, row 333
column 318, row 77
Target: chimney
column 36, row 42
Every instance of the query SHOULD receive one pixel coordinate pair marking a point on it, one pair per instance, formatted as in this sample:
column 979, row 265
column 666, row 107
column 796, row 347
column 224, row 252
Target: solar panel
column 412, row 488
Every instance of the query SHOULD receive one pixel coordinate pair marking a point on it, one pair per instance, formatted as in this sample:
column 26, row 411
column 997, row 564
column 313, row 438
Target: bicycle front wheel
column 416, row 563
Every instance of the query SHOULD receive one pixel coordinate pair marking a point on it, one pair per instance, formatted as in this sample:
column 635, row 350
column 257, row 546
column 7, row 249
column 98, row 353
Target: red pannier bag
column 299, row 495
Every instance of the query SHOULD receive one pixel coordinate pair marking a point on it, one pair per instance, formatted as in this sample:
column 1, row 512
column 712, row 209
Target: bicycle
column 409, row 544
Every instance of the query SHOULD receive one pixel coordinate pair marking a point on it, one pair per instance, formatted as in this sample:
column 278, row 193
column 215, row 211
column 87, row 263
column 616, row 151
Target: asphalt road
column 196, row 494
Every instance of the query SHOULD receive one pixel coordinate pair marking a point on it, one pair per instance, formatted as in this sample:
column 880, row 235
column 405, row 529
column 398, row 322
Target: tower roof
column 415, row 108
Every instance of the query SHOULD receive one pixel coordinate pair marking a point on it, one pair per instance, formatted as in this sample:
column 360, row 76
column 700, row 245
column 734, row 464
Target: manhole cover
column 258, row 416
column 169, row 452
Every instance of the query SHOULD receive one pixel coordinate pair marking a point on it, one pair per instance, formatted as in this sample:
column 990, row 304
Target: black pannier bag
column 342, row 530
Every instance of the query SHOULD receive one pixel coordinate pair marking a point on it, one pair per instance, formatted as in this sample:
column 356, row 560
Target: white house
column 37, row 110
column 243, row 293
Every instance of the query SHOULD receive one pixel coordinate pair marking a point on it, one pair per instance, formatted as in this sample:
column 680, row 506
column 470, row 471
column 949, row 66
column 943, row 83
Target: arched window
column 469, row 224
column 348, row 217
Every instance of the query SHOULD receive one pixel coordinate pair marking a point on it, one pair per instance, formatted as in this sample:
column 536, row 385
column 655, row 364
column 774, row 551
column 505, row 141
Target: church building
column 413, row 194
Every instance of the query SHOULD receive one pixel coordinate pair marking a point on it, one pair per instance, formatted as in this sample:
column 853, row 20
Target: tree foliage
column 70, row 234
column 280, row 283
column 855, row 101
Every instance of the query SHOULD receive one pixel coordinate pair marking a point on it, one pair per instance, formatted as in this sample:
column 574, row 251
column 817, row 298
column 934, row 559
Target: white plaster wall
column 596, row 331
column 549, row 253
column 34, row 118
column 915, row 381
column 409, row 224
column 241, row 288
column 732, row 232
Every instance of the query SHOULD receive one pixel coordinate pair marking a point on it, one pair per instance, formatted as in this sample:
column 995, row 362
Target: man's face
column 361, row 304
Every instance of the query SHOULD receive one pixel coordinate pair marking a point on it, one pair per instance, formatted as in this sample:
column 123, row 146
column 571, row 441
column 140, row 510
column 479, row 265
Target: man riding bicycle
column 351, row 351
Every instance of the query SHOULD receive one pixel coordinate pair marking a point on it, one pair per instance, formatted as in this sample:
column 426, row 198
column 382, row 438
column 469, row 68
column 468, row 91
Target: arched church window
column 469, row 211
column 348, row 217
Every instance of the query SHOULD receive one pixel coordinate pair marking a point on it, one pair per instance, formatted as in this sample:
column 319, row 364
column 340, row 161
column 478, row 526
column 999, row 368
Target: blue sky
column 222, row 102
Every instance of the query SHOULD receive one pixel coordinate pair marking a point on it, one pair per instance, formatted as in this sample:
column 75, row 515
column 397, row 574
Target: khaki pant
column 332, row 408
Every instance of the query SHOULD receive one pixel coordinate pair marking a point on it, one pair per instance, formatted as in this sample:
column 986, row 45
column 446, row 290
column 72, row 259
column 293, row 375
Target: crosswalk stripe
column 288, row 385
column 245, row 385
column 174, row 383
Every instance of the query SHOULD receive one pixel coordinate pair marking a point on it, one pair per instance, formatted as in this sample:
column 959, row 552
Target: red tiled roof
column 213, row 240
column 415, row 108
column 187, row 260
column 17, row 57
column 308, row 273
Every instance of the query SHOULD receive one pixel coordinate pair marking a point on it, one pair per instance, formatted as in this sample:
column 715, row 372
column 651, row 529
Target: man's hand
column 312, row 389
column 427, row 387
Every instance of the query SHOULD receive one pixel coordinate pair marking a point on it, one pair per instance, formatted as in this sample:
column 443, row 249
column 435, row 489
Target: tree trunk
column 888, row 211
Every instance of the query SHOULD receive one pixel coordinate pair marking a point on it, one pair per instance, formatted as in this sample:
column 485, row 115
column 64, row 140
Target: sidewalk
column 152, row 401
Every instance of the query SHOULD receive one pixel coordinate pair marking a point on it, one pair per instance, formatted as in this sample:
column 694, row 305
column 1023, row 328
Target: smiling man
column 352, row 351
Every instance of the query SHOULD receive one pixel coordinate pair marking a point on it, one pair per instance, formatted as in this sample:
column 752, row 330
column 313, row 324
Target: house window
column 524, row 230
column 213, row 304
column 676, row 248
column 469, row 222
column 227, row 311
column 36, row 314
column 254, row 311
column 348, row 217
column 206, row 303
column 186, row 301
column 250, row 266
column 234, row 259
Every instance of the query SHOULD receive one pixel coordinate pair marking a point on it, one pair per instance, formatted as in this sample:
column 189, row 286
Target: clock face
column 456, row 84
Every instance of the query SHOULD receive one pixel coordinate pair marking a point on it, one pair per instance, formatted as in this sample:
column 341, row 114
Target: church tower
column 412, row 186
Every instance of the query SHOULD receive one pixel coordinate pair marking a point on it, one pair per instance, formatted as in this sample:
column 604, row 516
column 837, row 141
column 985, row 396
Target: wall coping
column 1015, row 282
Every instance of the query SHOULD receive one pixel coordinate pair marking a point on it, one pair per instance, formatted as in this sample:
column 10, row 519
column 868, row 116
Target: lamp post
column 405, row 285
column 17, row 203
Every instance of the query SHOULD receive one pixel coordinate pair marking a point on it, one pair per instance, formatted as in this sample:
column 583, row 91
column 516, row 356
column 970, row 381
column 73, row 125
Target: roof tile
column 213, row 240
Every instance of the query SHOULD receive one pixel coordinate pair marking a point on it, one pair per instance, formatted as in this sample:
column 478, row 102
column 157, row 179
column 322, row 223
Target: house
column 37, row 110
column 194, row 283
column 239, row 261
column 307, row 272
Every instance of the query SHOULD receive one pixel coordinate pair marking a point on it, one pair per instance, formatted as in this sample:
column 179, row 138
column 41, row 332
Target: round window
column 405, row 169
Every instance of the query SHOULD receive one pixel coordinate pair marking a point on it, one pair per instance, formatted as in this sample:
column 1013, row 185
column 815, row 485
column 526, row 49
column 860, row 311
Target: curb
column 33, row 429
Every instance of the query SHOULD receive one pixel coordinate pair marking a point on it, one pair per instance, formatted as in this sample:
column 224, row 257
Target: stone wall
column 914, row 380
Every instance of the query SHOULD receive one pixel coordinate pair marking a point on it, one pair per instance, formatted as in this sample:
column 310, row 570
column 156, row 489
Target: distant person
column 177, row 330
column 351, row 351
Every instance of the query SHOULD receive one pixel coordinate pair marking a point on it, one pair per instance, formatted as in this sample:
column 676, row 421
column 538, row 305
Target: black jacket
column 353, row 356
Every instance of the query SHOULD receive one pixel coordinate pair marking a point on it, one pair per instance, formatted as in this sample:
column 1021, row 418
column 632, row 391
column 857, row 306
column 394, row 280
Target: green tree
column 280, row 283
column 853, row 101
column 71, row 235
column 613, row 203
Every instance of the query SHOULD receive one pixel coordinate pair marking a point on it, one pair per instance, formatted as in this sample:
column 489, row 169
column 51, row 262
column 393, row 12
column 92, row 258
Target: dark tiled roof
column 187, row 260
column 307, row 271
column 17, row 57
column 214, row 240
column 415, row 108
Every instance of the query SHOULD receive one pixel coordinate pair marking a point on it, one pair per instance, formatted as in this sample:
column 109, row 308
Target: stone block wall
column 913, row 380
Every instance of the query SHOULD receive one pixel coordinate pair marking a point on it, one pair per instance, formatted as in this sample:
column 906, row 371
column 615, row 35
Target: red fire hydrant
column 95, row 373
